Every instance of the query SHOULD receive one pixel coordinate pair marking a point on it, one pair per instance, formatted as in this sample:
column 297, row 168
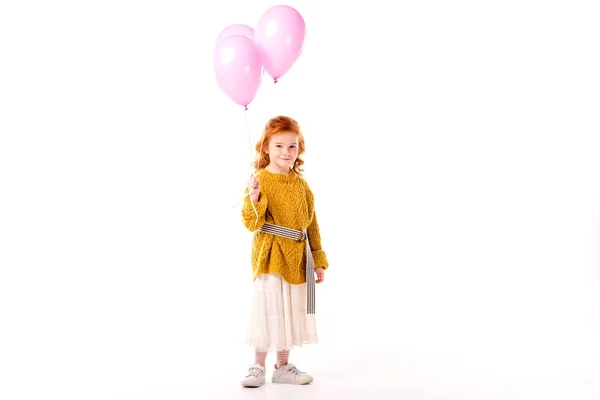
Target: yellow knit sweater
column 285, row 200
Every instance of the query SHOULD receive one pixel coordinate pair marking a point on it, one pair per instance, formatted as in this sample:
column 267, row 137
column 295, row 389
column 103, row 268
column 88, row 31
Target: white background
column 452, row 148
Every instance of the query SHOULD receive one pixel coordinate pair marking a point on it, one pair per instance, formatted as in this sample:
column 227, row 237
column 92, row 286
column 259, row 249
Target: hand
column 320, row 274
column 253, row 188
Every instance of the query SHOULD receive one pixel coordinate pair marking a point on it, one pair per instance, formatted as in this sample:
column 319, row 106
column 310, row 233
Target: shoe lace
column 255, row 372
column 292, row 369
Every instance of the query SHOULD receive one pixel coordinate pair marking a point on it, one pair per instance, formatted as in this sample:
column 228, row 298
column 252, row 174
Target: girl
column 286, row 253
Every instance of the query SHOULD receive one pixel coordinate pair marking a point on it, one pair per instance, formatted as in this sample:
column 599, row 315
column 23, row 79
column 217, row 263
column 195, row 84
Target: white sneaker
column 255, row 377
column 289, row 374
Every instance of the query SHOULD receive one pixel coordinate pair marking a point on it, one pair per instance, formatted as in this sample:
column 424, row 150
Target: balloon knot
column 245, row 108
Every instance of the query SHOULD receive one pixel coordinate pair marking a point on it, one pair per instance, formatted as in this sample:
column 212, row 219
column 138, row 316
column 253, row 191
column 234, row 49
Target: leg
column 288, row 373
column 260, row 357
column 283, row 357
column 256, row 372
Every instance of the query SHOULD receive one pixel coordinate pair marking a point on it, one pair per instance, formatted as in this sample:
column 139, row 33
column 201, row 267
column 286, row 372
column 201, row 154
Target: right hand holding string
column 253, row 188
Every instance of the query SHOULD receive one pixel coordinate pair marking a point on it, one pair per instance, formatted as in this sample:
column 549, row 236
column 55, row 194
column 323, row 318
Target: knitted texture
column 285, row 200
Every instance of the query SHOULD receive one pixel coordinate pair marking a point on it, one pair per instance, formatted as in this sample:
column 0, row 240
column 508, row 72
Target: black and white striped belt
column 299, row 236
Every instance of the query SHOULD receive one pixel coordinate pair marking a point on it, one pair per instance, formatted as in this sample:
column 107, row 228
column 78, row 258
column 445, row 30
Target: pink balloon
column 237, row 29
column 279, row 38
column 238, row 68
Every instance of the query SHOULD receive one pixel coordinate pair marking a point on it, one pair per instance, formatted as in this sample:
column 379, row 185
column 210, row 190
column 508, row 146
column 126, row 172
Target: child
column 286, row 253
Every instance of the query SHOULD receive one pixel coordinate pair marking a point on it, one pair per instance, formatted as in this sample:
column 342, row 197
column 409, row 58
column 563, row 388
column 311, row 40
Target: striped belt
column 299, row 236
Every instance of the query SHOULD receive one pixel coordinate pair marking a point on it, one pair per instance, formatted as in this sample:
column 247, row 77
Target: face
column 283, row 151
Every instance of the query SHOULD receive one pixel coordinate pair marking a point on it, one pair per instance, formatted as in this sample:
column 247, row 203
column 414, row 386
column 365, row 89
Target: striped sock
column 282, row 357
column 260, row 358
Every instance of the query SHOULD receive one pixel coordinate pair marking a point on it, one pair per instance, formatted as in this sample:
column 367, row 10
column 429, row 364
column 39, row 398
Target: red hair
column 274, row 127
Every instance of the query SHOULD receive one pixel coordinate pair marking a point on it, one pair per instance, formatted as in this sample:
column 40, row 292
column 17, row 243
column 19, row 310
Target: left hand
column 320, row 274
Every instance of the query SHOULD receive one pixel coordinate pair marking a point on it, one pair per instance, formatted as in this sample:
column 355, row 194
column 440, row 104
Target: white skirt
column 278, row 318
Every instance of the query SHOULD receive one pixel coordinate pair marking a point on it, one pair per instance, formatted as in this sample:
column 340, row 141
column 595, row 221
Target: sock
column 260, row 358
column 282, row 357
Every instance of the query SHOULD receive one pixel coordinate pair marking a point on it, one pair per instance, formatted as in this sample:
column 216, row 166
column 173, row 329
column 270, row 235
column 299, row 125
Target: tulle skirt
column 278, row 318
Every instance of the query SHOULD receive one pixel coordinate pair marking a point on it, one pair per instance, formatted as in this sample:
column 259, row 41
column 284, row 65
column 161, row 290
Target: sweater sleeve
column 314, row 236
column 251, row 220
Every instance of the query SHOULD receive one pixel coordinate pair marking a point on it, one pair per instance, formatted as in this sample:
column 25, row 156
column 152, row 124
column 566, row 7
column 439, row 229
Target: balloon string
column 249, row 137
column 252, row 166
